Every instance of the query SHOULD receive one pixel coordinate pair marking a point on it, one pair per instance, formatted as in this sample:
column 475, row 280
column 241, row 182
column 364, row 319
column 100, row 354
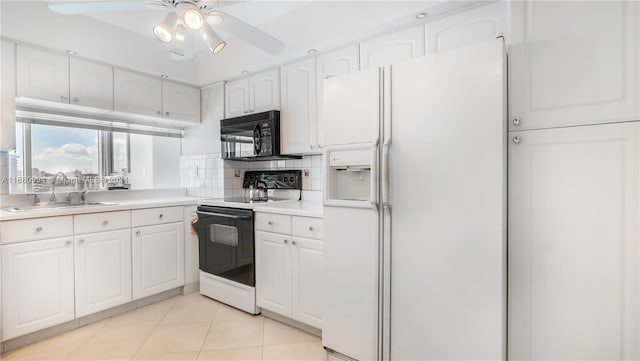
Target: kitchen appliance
column 252, row 137
column 226, row 238
column 414, row 196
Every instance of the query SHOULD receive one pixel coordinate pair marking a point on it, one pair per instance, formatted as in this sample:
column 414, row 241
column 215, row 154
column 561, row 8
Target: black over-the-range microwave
column 252, row 137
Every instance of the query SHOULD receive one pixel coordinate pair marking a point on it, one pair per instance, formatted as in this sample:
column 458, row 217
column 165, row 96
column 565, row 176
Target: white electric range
column 226, row 238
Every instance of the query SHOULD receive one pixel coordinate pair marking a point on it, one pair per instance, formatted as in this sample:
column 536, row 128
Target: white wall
column 166, row 162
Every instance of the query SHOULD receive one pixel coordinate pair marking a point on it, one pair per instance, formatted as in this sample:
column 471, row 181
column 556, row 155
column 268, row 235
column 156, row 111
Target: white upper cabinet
column 338, row 62
column 257, row 93
column 264, row 91
column 236, row 101
column 573, row 62
column 137, row 93
column 299, row 115
column 8, row 95
column 90, row 84
column 399, row 46
column 42, row 75
column 475, row 25
column 573, row 243
column 180, row 102
column 198, row 139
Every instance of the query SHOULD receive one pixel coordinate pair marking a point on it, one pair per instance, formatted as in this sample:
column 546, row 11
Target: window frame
column 105, row 154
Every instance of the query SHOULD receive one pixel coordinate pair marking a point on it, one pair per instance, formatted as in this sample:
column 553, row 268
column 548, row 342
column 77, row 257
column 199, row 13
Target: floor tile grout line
column 208, row 330
column 156, row 326
column 68, row 357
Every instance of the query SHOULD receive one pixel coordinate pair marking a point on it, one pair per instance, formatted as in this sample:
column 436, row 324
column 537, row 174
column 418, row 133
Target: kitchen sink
column 55, row 206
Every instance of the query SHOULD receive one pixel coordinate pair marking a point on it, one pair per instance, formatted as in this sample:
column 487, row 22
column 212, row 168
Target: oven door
column 226, row 243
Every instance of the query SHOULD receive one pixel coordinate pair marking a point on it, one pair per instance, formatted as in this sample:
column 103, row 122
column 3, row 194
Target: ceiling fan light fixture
column 164, row 31
column 177, row 45
column 193, row 19
column 214, row 41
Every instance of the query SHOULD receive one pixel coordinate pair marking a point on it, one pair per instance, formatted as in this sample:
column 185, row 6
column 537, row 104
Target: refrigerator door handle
column 385, row 176
column 373, row 191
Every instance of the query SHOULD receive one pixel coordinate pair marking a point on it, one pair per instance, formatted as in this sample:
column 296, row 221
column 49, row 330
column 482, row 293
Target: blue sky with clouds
column 61, row 149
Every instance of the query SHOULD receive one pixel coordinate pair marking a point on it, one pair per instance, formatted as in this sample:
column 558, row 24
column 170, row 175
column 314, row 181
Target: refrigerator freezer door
column 351, row 109
column 447, row 195
column 350, row 320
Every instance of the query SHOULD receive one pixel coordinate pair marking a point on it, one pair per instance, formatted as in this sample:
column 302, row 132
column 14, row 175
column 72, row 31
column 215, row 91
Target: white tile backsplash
column 207, row 175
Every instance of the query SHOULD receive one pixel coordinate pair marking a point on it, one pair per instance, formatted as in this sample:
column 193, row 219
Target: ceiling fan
column 185, row 18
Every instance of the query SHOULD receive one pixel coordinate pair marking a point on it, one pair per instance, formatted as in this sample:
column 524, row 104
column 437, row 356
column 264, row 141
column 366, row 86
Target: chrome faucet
column 36, row 198
column 82, row 195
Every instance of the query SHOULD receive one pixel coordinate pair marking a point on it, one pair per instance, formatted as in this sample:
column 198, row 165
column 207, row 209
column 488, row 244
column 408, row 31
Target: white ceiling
column 125, row 38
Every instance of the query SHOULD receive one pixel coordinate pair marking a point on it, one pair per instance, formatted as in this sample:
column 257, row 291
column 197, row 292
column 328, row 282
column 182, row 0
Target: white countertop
column 294, row 208
column 119, row 206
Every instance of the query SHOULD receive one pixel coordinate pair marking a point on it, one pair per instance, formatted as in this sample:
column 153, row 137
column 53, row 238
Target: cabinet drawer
column 101, row 222
column 277, row 223
column 34, row 229
column 151, row 216
column 307, row 227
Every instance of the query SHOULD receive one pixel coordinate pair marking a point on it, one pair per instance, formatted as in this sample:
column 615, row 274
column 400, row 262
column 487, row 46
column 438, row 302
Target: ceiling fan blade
column 246, row 32
column 96, row 7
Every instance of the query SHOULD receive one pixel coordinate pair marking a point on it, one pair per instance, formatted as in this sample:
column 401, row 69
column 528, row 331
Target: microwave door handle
column 224, row 215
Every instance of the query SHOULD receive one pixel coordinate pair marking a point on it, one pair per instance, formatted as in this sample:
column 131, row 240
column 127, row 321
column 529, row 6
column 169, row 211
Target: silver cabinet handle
column 105, row 223
column 81, row 241
column 76, row 99
column 293, row 243
column 166, row 113
column 39, row 229
column 159, row 112
column 67, row 243
column 270, row 223
column 311, row 146
column 310, row 229
column 161, row 216
column 516, row 121
column 63, row 97
column 517, row 140
column 286, row 241
column 138, row 233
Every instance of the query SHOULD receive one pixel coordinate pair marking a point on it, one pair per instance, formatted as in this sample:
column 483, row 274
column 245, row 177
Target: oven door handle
column 224, row 215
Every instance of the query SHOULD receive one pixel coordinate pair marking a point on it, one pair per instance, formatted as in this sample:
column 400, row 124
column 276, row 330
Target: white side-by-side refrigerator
column 415, row 208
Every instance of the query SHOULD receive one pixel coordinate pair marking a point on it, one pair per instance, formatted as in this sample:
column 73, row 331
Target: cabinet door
column 180, row 102
column 102, row 271
column 307, row 286
column 200, row 139
column 573, row 63
column 573, row 243
column 37, row 285
column 264, row 93
column 399, row 46
column 472, row 26
column 236, row 98
column 339, row 62
column 8, row 95
column 42, row 75
column 191, row 251
column 137, row 93
column 299, row 115
column 273, row 272
column 158, row 259
column 91, row 84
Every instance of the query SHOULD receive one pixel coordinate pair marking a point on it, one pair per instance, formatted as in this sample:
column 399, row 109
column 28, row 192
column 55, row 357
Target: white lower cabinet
column 574, row 286
column 158, row 258
column 103, row 271
column 289, row 273
column 37, row 285
column 307, row 266
column 191, row 248
column 273, row 272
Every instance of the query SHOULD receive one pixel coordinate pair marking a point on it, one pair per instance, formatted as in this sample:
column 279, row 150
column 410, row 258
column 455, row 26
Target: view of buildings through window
column 67, row 159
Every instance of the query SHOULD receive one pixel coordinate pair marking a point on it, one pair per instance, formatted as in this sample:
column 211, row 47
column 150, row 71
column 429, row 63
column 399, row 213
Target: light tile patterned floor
column 189, row 327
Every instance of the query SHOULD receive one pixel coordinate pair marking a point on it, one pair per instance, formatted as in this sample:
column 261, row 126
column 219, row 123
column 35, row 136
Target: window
column 68, row 159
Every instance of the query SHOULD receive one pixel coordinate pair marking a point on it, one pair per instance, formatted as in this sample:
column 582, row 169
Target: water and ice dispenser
column 350, row 176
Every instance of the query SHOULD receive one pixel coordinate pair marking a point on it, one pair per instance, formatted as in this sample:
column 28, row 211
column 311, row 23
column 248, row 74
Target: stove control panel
column 273, row 179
